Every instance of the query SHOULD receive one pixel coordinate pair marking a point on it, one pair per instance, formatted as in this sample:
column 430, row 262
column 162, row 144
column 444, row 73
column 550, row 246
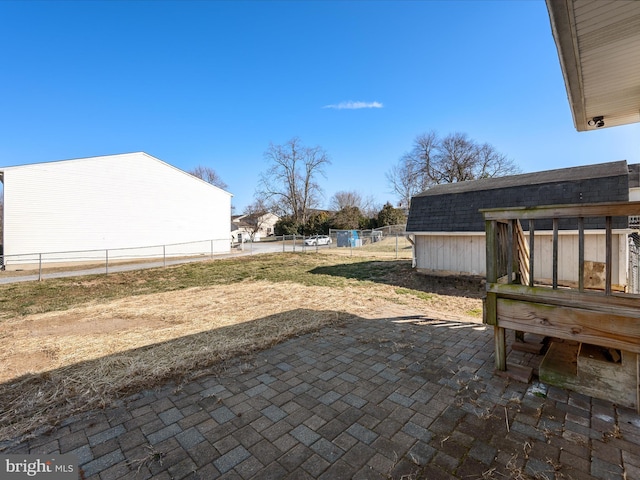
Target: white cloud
column 350, row 105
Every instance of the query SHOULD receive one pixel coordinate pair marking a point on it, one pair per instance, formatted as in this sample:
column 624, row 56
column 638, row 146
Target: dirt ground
column 42, row 342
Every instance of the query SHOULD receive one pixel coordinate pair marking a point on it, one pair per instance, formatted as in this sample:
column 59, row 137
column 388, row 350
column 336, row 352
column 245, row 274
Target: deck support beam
column 500, row 341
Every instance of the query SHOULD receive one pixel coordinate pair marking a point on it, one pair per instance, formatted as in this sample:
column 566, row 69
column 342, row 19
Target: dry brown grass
column 64, row 361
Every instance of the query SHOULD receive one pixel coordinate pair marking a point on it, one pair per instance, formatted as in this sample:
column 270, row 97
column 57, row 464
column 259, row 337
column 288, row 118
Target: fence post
column 164, row 255
column 211, row 248
column 106, row 262
column 39, row 267
column 396, row 246
column 294, row 242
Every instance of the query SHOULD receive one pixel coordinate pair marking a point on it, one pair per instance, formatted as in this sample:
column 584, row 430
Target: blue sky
column 213, row 83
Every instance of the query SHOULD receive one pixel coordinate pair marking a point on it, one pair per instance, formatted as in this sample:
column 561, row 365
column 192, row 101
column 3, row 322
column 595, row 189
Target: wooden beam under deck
column 570, row 323
column 619, row 304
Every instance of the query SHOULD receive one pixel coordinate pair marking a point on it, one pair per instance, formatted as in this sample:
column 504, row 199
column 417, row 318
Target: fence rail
column 391, row 245
column 109, row 259
column 110, row 256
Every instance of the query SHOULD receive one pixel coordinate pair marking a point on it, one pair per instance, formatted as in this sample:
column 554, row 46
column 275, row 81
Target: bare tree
column 370, row 207
column 342, row 199
column 404, row 181
column 290, row 183
column 454, row 158
column 493, row 164
column 409, row 177
column 209, row 175
column 345, row 199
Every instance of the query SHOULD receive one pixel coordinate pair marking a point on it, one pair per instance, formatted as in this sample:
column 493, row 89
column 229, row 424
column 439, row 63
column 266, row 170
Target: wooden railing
column 607, row 317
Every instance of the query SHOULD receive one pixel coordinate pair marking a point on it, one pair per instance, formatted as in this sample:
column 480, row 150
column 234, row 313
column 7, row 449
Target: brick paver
column 403, row 396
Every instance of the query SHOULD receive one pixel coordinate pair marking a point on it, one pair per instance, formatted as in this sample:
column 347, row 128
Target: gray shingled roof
column 548, row 176
column 634, row 175
column 455, row 207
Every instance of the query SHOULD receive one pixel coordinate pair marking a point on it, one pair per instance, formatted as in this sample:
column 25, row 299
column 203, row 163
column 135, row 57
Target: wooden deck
column 593, row 314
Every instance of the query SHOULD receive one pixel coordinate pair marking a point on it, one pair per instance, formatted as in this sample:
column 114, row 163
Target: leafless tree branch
column 290, row 182
column 454, row 158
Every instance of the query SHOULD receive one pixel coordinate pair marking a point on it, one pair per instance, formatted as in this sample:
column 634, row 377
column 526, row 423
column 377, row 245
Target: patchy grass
column 57, row 294
column 78, row 343
column 418, row 294
column 306, row 269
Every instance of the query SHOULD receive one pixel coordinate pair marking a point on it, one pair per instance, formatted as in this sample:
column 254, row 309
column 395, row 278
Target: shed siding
column 110, row 202
column 466, row 254
column 446, row 253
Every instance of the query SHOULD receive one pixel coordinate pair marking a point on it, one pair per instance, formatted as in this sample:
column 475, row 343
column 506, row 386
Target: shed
column 130, row 205
column 449, row 230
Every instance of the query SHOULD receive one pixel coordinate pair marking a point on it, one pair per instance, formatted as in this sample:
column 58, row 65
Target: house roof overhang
column 599, row 51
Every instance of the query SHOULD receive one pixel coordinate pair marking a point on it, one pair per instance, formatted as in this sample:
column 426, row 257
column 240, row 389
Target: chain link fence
column 342, row 242
column 155, row 255
column 385, row 244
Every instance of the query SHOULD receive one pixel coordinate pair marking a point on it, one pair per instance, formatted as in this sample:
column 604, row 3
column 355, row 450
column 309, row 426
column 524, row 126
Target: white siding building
column 110, row 206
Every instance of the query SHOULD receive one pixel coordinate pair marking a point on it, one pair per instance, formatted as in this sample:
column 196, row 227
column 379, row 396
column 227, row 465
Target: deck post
column 491, row 229
column 499, row 339
column 581, row 254
column 511, row 251
column 491, row 233
column 608, row 256
column 554, row 281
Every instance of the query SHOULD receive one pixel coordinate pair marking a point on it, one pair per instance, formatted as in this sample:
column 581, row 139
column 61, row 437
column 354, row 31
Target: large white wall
column 110, row 202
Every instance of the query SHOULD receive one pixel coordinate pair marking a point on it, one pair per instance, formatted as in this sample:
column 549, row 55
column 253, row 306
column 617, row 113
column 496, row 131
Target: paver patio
column 404, row 396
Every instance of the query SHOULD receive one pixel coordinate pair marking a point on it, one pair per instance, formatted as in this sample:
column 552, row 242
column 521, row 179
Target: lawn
column 79, row 343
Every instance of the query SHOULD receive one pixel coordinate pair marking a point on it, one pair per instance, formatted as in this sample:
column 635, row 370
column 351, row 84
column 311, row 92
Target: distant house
column 449, row 231
column 253, row 226
column 108, row 203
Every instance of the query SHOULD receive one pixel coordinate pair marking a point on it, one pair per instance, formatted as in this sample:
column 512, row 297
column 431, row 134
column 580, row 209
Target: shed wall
column 111, row 202
column 465, row 254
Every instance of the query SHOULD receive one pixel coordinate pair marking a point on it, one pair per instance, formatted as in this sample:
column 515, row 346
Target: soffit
column 599, row 50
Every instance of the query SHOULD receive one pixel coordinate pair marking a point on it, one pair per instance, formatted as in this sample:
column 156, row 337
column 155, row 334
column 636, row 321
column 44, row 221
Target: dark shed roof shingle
column 454, row 207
